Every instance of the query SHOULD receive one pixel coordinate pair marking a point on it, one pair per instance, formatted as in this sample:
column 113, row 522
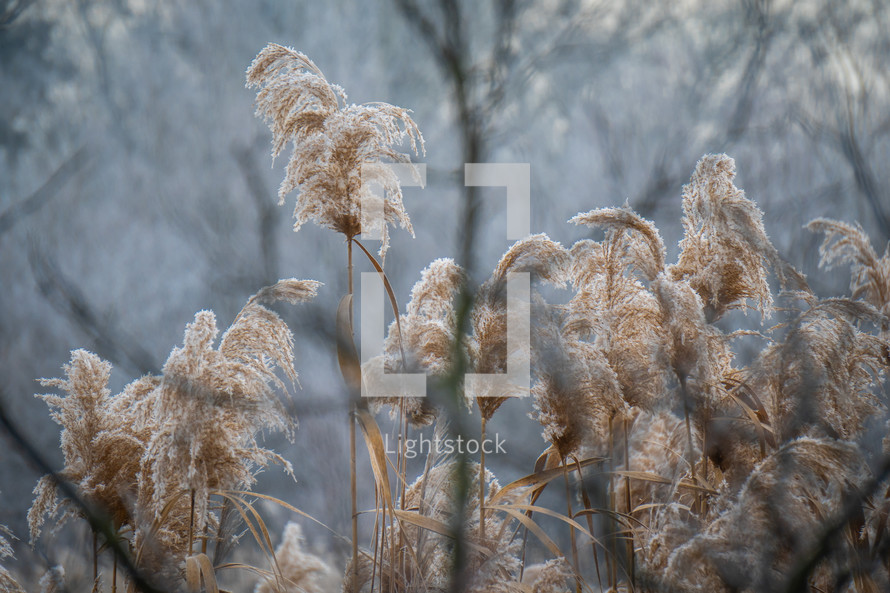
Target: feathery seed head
column 537, row 255
column 337, row 147
column 725, row 248
column 7, row 583
column 614, row 310
column 820, row 378
column 776, row 522
column 644, row 249
column 848, row 244
column 300, row 570
column 425, row 335
column 100, row 444
column 576, row 392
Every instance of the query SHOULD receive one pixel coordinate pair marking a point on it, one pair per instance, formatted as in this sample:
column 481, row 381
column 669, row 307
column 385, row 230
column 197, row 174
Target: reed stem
column 627, row 503
column 482, row 483
column 191, row 521
column 352, row 455
column 570, row 515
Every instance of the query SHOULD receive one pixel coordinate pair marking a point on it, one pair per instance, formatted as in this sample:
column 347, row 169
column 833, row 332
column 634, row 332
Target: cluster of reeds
column 158, row 467
column 683, row 465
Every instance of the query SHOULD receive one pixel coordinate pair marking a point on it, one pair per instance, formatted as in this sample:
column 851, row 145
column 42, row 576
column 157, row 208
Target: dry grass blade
column 655, row 505
column 389, row 292
column 283, row 504
column 540, row 479
column 192, row 575
column 198, row 568
column 262, row 536
column 535, row 529
column 248, row 567
column 347, row 355
column 764, row 431
column 656, row 479
column 162, row 519
column 545, row 511
column 377, row 453
column 436, row 526
column 619, row 517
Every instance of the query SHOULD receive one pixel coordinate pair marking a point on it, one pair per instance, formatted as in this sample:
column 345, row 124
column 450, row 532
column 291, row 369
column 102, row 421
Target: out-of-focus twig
column 46, row 192
column 69, row 299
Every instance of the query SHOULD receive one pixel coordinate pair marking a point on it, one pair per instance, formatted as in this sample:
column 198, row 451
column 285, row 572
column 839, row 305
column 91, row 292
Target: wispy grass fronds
column 576, row 393
column 425, row 336
column 332, row 142
column 536, row 255
column 696, row 351
column 550, row 577
column 725, row 249
column 150, row 455
column 53, row 580
column 300, row 571
column 658, row 447
column 7, row 583
column 693, row 472
column 821, row 378
column 289, row 290
column 848, row 244
column 776, row 523
column 211, row 404
column 101, row 448
column 614, row 310
column 430, row 504
column 646, row 255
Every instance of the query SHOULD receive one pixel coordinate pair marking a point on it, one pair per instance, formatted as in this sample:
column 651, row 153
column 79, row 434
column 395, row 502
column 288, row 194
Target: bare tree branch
column 74, row 305
column 267, row 214
column 46, row 192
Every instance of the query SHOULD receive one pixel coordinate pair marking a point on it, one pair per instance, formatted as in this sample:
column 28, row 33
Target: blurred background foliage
column 136, row 186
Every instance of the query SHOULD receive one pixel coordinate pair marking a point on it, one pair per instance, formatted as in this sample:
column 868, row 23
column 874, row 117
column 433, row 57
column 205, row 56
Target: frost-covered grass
column 679, row 464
